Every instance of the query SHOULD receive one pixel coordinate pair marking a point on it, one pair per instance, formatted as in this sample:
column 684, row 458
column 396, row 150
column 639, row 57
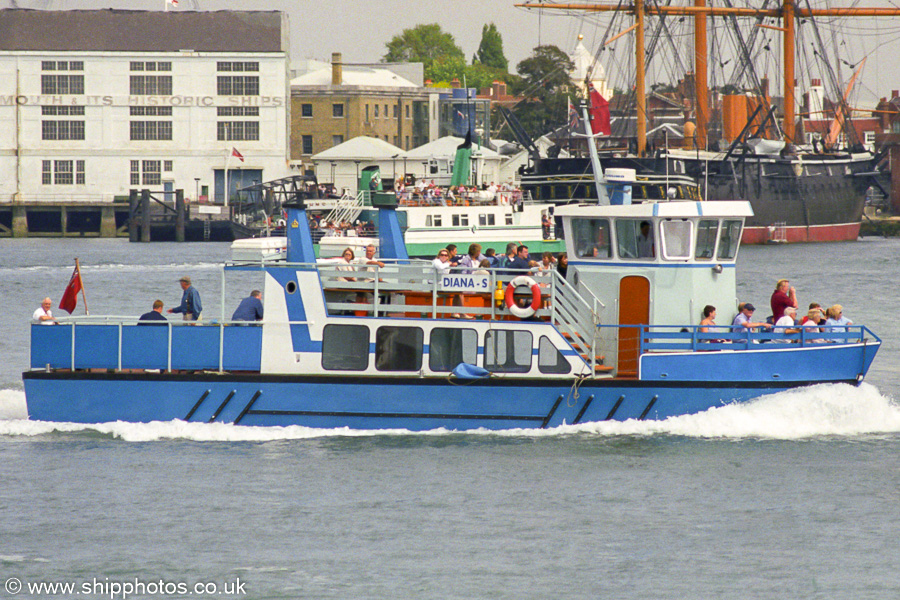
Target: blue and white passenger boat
column 617, row 339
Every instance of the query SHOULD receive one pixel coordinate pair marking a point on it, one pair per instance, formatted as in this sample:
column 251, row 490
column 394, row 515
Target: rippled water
column 791, row 496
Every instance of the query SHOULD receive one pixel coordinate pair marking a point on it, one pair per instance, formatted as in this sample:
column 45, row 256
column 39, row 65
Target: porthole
column 291, row 287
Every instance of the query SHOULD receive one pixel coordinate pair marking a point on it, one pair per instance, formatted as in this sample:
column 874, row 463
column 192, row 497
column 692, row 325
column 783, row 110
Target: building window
column 398, row 348
column 337, row 140
column 407, row 111
column 62, row 84
column 396, row 111
column 345, row 348
column 237, row 111
column 146, row 172
column 167, row 166
column 151, row 131
column 62, row 172
column 396, row 140
column 62, row 130
column 146, row 85
column 407, row 143
column 376, row 110
column 135, row 172
column 237, row 85
column 337, row 110
column 62, row 111
column 151, row 66
column 239, row 131
column 237, row 67
column 367, row 112
column 307, row 144
column 150, row 111
column 306, row 111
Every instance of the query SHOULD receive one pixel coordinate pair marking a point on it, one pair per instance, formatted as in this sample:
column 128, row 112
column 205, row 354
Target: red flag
column 237, row 154
column 70, row 296
column 599, row 113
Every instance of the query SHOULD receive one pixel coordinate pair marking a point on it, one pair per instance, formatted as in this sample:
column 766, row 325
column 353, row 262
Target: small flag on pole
column 573, row 115
column 599, row 113
column 237, row 154
column 70, row 296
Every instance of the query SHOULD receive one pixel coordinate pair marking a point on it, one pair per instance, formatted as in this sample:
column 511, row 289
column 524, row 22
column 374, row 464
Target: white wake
column 824, row 410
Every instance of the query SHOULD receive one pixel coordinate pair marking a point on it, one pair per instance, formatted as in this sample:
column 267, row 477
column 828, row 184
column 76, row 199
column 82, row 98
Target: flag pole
column 81, row 283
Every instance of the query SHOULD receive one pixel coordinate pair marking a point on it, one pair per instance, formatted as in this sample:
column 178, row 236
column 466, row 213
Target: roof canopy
column 360, row 148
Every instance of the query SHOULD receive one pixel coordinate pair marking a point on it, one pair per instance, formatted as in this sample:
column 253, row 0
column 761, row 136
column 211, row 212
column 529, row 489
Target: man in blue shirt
column 520, row 262
column 250, row 309
column 154, row 317
column 190, row 306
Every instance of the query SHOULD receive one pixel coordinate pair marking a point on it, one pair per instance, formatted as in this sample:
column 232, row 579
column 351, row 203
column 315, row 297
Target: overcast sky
column 359, row 29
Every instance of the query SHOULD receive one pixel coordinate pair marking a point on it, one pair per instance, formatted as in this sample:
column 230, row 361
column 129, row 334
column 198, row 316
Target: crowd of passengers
column 784, row 318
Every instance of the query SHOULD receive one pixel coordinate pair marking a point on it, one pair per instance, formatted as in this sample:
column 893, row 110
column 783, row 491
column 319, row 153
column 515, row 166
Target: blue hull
column 370, row 403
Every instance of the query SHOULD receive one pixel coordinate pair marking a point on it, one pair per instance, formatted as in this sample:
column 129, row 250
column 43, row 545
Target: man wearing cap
column 742, row 321
column 190, row 306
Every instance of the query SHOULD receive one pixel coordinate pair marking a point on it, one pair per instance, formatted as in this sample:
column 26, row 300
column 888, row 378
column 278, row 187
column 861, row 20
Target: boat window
column 729, row 239
column 345, row 348
column 507, row 351
column 676, row 239
column 464, row 220
column 509, row 219
column 455, row 220
column 592, row 238
column 437, row 220
column 482, row 220
column 427, row 220
column 550, row 359
column 706, row 239
column 635, row 239
column 492, row 221
column 398, row 348
column 449, row 347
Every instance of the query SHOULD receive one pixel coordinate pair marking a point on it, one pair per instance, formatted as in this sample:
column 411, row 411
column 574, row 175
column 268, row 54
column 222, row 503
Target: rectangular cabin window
column 345, row 348
column 455, row 220
column 676, row 239
column 428, row 222
column 550, row 359
column 509, row 219
column 482, row 220
column 635, row 239
column 450, row 347
column 507, row 351
column 437, row 220
column 592, row 238
column 398, row 348
column 729, row 239
column 706, row 239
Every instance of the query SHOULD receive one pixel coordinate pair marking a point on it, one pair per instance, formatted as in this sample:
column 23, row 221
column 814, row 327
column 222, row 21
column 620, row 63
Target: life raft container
column 515, row 309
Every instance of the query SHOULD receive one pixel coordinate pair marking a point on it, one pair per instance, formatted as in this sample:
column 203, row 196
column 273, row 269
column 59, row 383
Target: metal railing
column 674, row 338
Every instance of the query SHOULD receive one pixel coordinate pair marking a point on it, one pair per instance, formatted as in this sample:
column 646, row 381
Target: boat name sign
column 464, row 283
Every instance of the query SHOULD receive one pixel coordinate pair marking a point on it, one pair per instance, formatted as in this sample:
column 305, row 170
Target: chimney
column 454, row 83
column 816, row 82
column 894, row 93
column 495, row 90
column 503, row 89
column 337, row 69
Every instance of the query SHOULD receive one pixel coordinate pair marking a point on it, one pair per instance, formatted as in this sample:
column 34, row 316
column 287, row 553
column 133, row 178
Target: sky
column 359, row 29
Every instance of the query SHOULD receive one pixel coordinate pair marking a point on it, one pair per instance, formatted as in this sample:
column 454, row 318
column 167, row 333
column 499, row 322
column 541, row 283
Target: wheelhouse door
column 634, row 309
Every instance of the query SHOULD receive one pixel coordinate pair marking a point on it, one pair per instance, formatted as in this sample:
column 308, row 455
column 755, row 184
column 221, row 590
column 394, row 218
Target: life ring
column 516, row 310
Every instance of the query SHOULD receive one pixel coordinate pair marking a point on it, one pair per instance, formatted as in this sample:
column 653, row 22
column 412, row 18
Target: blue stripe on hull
column 414, row 404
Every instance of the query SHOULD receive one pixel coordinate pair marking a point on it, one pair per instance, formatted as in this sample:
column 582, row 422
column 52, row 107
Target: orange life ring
column 516, row 310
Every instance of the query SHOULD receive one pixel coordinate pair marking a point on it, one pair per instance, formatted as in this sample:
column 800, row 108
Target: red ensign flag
column 70, row 296
column 237, row 154
column 599, row 113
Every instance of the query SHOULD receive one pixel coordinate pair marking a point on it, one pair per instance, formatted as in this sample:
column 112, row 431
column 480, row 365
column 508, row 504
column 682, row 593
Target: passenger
column 645, row 241
column 813, row 306
column 742, row 322
column 155, row 316
column 836, row 321
column 441, row 262
column 370, row 261
column 509, row 256
column 483, row 268
column 454, row 256
column 472, row 259
column 562, row 264
column 491, row 255
column 43, row 315
column 250, row 308
column 520, row 262
column 542, row 270
column 346, row 263
column 787, row 324
column 810, row 325
column 784, row 295
column 190, row 307
column 708, row 322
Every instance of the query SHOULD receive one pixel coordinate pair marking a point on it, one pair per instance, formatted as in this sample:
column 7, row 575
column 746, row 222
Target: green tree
column 545, row 83
column 424, row 44
column 490, row 50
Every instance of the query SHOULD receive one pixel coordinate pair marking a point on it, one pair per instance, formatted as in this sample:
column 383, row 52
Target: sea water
column 794, row 495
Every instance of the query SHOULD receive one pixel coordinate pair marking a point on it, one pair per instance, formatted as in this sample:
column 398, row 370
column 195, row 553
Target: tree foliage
column 425, row 44
column 490, row 50
column 545, row 83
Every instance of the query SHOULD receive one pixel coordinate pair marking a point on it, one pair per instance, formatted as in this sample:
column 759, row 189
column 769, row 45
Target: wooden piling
column 179, row 215
column 145, row 215
column 133, row 216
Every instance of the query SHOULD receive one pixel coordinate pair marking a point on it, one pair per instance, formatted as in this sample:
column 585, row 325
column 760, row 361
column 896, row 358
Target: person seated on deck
column 250, row 308
column 370, row 261
column 787, row 324
column 709, row 321
column 810, row 325
column 441, row 264
column 43, row 315
column 742, row 321
column 836, row 321
column 155, row 316
column 520, row 262
column 472, row 259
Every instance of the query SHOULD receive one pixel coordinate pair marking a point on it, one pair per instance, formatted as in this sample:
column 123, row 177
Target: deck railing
column 690, row 339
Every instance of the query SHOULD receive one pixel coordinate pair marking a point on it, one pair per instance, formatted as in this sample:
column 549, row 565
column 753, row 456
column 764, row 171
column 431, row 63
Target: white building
column 96, row 102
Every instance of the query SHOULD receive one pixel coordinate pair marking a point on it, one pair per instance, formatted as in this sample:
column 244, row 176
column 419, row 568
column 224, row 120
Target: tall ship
column 803, row 185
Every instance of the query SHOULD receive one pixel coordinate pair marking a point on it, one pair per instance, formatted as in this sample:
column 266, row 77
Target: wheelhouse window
column 729, row 239
column 345, row 348
column 398, row 348
column 635, row 239
column 550, row 359
column 450, row 347
column 676, row 239
column 592, row 238
column 706, row 239
column 507, row 351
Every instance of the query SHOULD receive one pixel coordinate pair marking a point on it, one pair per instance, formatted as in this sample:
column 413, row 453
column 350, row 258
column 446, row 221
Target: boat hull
column 410, row 403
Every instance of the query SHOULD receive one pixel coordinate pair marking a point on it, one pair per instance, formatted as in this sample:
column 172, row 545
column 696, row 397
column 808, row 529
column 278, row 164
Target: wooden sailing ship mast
column 788, row 12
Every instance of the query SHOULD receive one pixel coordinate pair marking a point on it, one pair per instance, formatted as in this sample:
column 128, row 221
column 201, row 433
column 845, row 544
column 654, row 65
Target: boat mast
column 640, row 89
column 789, row 80
column 701, row 89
